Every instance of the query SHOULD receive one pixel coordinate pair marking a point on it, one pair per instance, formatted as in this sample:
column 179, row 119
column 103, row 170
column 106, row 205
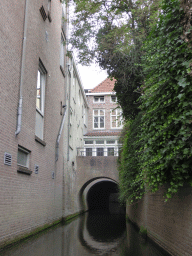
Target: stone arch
column 86, row 187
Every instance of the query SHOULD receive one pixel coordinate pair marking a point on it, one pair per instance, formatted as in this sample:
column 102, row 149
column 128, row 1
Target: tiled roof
column 103, row 133
column 106, row 86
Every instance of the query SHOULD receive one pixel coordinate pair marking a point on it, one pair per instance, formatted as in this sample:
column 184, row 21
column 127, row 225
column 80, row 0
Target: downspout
column 59, row 134
column 69, row 77
column 20, row 105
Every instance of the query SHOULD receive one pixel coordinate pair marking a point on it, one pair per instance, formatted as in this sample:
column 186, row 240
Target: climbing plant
column 131, row 181
column 165, row 141
column 167, row 103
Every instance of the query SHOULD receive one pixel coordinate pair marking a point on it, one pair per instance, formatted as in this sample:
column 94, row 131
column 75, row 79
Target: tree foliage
column 112, row 32
column 166, row 124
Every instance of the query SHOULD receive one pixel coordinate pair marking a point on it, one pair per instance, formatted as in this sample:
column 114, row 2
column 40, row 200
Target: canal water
column 96, row 233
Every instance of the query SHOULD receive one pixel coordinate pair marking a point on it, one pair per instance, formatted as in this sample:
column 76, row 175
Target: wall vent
column 36, row 169
column 43, row 13
column 7, row 159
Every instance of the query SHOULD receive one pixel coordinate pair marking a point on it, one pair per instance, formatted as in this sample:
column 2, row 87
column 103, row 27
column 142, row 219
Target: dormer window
column 98, row 99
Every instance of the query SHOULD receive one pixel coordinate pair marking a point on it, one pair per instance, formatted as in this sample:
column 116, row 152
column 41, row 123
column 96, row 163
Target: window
column 116, row 118
column 62, row 53
column 88, row 151
column 113, row 99
column 98, row 119
column 23, row 157
column 110, row 151
column 88, row 141
column 100, row 152
column 98, row 99
column 99, row 141
column 110, row 142
column 49, row 10
column 64, row 18
column 40, row 100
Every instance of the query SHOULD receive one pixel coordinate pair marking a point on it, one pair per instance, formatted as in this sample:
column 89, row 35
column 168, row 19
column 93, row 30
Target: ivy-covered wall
column 157, row 146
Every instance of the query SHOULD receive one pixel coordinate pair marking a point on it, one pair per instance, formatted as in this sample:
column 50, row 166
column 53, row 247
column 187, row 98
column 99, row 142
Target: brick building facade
column 105, row 121
column 37, row 116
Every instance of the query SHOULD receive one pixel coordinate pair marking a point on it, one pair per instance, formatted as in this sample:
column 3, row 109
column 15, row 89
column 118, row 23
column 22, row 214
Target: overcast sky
column 91, row 76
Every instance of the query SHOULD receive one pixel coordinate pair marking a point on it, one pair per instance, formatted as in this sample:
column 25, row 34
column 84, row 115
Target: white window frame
column 41, row 81
column 100, row 148
column 113, row 151
column 116, row 115
column 62, row 52
column 99, row 120
column 90, row 151
column 99, row 99
column 25, row 151
column 115, row 99
column 89, row 143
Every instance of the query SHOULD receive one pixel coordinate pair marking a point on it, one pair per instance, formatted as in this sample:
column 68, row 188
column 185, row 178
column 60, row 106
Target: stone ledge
column 42, row 142
column 24, row 170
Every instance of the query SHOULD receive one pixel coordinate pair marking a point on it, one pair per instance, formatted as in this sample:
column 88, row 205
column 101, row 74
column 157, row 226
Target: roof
column 103, row 133
column 106, row 86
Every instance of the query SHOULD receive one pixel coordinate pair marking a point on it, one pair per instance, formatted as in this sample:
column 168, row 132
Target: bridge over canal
column 97, row 181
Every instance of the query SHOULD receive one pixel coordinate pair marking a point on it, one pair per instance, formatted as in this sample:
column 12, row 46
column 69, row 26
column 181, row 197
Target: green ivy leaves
column 164, row 152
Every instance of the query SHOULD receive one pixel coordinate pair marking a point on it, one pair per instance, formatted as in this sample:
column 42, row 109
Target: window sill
column 62, row 70
column 40, row 141
column 24, row 170
column 98, row 128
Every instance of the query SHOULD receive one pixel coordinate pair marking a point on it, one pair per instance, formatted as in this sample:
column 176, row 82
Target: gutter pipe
column 69, row 82
column 59, row 134
column 20, row 105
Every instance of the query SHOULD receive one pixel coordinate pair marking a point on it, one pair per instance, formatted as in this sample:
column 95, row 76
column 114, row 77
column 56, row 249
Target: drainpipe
column 69, row 77
column 19, row 110
column 59, row 134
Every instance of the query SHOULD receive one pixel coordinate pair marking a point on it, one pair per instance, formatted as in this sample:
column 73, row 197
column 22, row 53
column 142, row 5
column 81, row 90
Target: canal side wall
column 169, row 224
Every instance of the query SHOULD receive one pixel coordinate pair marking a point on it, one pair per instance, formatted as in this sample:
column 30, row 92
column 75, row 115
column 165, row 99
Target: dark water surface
column 91, row 234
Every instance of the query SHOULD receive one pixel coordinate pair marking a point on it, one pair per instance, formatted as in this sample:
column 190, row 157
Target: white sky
column 91, row 76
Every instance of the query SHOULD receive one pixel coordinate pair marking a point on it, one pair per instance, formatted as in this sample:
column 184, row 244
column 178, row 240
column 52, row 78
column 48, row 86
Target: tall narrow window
column 100, row 152
column 99, row 119
column 116, row 118
column 40, row 100
column 49, row 10
column 88, row 151
column 110, row 151
column 62, row 53
column 64, row 18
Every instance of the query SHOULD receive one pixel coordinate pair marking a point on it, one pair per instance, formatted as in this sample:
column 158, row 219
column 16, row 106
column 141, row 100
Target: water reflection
column 102, row 233
column 91, row 234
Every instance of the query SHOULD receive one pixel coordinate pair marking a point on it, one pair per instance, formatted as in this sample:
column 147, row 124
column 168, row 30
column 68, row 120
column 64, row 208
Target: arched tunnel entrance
column 103, row 196
column 98, row 196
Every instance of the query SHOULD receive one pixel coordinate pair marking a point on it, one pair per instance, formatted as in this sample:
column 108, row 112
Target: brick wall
column 168, row 224
column 107, row 106
column 29, row 201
